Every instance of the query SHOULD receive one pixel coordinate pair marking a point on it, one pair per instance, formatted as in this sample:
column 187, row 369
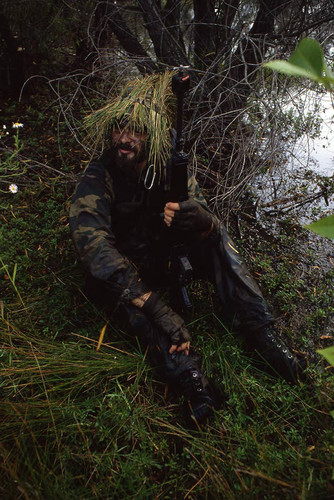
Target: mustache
column 125, row 146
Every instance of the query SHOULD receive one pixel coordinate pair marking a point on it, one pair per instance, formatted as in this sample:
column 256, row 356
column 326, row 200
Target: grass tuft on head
column 144, row 105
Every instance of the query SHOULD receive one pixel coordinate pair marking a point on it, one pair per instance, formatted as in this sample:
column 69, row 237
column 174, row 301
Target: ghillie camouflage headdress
column 145, row 106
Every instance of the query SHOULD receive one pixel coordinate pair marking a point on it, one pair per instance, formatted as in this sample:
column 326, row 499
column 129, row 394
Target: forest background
column 82, row 422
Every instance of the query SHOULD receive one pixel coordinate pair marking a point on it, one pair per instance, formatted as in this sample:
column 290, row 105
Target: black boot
column 277, row 357
column 179, row 370
column 200, row 397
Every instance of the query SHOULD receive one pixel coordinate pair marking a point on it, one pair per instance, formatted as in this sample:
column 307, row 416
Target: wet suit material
column 124, row 245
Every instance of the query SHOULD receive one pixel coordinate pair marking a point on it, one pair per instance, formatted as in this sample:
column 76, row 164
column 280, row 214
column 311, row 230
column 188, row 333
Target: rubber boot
column 277, row 357
column 200, row 397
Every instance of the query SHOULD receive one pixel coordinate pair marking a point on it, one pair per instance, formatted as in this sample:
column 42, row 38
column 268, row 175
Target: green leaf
column 307, row 61
column 309, row 56
column 291, row 69
column 328, row 354
column 329, row 78
column 324, row 227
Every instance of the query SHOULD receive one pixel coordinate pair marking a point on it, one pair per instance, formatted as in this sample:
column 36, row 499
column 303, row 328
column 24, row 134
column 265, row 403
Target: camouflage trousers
column 218, row 261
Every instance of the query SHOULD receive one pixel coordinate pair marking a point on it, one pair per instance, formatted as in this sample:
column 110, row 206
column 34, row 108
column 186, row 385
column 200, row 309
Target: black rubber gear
column 200, row 397
column 276, row 356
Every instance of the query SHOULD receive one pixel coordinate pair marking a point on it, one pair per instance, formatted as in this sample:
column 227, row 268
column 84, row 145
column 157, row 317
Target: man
column 123, row 228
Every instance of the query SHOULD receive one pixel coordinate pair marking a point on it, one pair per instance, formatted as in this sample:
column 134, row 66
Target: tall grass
column 76, row 422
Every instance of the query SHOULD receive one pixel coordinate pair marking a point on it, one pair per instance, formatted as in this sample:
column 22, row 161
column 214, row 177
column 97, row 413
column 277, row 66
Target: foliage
column 307, row 61
column 77, row 423
column 40, row 38
column 10, row 167
column 84, row 50
column 324, row 227
column 80, row 423
column 97, row 424
column 328, row 353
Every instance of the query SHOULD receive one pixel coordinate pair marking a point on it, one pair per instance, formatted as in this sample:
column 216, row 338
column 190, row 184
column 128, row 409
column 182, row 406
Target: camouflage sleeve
column 194, row 192
column 90, row 224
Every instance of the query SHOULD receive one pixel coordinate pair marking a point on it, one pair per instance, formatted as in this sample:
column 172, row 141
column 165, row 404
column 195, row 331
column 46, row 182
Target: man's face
column 130, row 151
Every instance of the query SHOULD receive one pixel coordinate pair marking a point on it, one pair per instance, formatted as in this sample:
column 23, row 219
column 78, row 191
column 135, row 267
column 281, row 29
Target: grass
column 77, row 422
column 80, row 423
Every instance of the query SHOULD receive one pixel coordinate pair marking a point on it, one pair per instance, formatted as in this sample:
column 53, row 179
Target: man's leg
column 181, row 371
column 244, row 303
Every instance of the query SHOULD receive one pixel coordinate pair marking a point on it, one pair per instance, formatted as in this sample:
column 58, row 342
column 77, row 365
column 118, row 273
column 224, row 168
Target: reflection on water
column 300, row 188
column 318, row 153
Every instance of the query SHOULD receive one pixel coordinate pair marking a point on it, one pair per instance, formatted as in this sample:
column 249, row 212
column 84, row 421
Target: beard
column 130, row 161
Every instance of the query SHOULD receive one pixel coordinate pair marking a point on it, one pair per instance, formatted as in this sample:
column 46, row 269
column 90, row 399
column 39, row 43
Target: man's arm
column 90, row 223
column 161, row 314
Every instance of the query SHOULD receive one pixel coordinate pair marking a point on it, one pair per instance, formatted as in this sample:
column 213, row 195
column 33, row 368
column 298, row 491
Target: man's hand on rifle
column 167, row 320
column 188, row 216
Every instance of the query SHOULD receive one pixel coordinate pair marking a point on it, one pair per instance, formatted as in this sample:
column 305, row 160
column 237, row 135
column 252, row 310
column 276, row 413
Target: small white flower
column 4, row 127
column 13, row 188
column 17, row 125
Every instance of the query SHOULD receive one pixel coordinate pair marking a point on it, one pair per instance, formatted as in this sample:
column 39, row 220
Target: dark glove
column 166, row 319
column 192, row 217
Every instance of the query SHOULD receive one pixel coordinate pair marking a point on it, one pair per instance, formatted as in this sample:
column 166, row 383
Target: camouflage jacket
column 116, row 223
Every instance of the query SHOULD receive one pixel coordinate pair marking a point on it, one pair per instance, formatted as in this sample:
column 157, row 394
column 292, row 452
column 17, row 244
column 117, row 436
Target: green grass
column 77, row 422
column 80, row 423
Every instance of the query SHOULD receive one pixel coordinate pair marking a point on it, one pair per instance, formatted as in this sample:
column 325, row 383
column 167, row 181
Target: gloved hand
column 191, row 217
column 169, row 322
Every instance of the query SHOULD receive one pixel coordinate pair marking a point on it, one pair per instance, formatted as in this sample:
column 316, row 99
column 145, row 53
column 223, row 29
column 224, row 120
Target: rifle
column 180, row 269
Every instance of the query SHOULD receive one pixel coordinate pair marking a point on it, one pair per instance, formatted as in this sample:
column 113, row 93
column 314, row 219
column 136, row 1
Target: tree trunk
column 226, row 15
column 13, row 70
column 127, row 40
column 205, row 33
column 168, row 49
column 251, row 50
column 171, row 17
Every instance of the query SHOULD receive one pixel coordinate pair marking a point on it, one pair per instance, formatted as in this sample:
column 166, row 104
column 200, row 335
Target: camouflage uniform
column 119, row 235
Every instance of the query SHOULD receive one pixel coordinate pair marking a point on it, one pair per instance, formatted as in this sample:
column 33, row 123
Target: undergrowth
column 77, row 422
